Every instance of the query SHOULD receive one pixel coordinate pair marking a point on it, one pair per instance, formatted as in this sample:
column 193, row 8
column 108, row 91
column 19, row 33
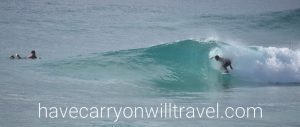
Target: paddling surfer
column 31, row 56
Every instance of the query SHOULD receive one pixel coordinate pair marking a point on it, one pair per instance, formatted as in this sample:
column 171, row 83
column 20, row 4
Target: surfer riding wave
column 224, row 61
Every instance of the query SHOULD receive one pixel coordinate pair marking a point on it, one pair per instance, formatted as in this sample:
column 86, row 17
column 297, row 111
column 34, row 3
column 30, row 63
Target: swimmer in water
column 32, row 55
column 15, row 56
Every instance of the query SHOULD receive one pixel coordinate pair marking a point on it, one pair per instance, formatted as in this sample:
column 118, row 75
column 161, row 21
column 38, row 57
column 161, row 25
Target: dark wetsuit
column 225, row 63
column 32, row 57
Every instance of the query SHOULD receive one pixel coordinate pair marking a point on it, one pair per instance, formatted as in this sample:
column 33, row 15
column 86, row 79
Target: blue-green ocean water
column 128, row 53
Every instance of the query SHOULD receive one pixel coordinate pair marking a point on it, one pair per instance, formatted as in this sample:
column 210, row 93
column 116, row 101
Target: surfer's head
column 33, row 52
column 217, row 57
column 33, row 55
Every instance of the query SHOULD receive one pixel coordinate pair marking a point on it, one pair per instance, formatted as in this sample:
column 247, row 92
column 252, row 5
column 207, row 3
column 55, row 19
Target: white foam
column 265, row 64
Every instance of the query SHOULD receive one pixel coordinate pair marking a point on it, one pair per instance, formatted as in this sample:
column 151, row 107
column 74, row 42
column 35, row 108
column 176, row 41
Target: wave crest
column 183, row 64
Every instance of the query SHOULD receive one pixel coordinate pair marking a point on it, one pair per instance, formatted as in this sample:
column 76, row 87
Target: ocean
column 128, row 53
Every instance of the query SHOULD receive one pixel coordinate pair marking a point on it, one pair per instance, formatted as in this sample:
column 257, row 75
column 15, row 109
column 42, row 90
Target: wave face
column 182, row 64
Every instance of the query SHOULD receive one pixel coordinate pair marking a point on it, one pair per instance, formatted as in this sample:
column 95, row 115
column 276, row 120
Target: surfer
column 31, row 56
column 224, row 61
column 15, row 56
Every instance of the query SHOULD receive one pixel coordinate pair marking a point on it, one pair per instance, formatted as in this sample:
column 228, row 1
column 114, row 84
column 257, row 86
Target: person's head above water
column 33, row 55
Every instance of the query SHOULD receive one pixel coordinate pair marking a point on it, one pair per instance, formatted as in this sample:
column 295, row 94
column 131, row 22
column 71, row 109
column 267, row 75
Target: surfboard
column 224, row 73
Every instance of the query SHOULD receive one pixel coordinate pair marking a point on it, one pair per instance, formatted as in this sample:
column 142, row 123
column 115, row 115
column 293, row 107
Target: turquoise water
column 183, row 63
column 144, row 53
